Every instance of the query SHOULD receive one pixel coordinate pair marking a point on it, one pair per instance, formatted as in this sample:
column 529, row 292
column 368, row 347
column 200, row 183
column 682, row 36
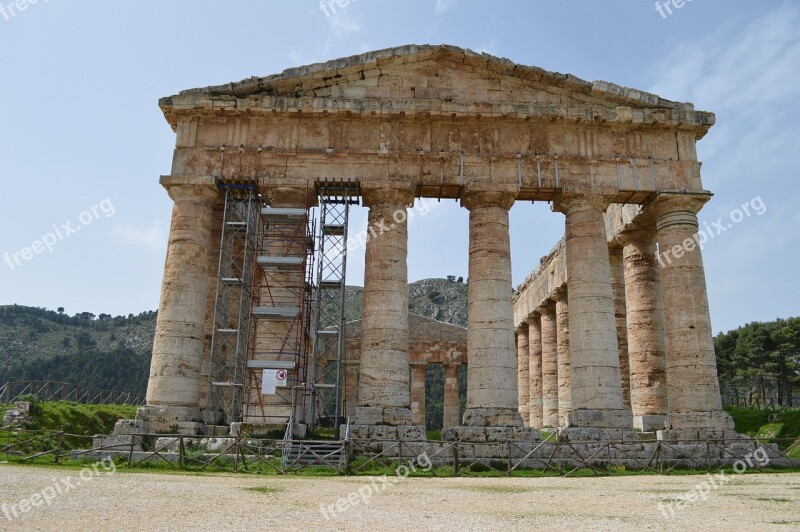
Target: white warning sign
column 271, row 379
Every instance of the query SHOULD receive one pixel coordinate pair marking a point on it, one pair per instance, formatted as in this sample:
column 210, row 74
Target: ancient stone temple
column 443, row 122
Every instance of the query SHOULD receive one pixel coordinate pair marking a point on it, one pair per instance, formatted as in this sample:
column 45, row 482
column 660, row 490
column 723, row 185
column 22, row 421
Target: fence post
column 181, row 460
column 508, row 455
column 346, row 458
column 456, row 465
column 59, row 439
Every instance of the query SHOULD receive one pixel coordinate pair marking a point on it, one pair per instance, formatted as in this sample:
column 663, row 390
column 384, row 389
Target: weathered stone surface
column 549, row 365
column 492, row 372
column 523, row 373
column 535, row 370
column 383, row 372
column 564, row 382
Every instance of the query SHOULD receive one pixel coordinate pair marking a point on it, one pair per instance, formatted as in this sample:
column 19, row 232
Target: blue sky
column 82, row 141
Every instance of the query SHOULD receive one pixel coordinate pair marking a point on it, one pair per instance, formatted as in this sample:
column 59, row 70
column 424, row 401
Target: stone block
column 130, row 426
column 617, row 419
column 649, row 423
column 121, row 442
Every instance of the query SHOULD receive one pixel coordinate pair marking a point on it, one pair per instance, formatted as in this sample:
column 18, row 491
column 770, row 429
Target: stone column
column 535, row 369
column 383, row 391
column 645, row 321
column 173, row 389
column 492, row 371
column 549, row 365
column 418, row 414
column 693, row 388
column 594, row 354
column 618, row 287
column 350, row 387
column 523, row 376
column 451, row 402
column 562, row 347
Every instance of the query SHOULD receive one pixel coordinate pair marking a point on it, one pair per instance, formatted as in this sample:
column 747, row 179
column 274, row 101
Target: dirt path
column 150, row 501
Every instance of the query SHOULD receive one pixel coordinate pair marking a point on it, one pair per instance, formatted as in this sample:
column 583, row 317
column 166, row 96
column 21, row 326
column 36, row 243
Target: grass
column 782, row 430
column 265, row 489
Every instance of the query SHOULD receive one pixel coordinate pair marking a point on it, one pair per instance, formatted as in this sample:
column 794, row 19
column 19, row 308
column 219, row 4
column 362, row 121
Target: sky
column 83, row 142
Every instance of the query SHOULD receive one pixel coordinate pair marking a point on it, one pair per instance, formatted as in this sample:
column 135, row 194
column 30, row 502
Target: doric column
column 418, row 413
column 618, row 288
column 523, row 376
column 693, row 388
column 383, row 392
column 451, row 402
column 173, row 389
column 549, row 365
column 350, row 387
column 645, row 322
column 562, row 347
column 492, row 370
column 594, row 354
column 535, row 369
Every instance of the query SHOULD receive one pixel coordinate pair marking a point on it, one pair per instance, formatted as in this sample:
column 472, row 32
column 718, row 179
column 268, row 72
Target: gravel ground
column 156, row 501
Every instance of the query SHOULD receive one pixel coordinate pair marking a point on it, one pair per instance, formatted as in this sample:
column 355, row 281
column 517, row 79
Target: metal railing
column 48, row 391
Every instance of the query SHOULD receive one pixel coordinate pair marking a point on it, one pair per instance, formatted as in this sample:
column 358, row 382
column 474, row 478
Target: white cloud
column 443, row 6
column 154, row 237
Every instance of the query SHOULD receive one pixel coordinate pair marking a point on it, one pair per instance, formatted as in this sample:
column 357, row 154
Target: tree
column 61, row 310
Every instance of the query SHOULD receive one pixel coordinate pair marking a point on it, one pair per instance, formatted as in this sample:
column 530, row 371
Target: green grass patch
column 434, row 435
column 265, row 489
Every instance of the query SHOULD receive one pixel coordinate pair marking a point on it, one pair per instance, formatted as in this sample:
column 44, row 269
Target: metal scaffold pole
column 327, row 385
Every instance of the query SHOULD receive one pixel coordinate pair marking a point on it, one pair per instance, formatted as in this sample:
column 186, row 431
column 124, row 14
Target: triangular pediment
column 442, row 72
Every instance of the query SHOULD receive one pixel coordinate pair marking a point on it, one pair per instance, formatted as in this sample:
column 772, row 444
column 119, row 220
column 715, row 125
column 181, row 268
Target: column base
column 383, row 415
column 604, row 434
column 601, row 419
column 650, row 422
column 170, row 419
column 375, row 433
column 490, row 434
column 492, row 417
column 715, row 420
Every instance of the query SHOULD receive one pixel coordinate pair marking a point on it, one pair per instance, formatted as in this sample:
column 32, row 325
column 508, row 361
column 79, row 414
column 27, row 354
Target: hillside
column 113, row 353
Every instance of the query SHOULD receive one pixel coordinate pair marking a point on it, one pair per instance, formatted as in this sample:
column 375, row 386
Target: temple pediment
column 437, row 79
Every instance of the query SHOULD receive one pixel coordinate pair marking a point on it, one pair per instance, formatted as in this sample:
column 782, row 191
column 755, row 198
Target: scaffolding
column 327, row 384
column 281, row 301
column 231, row 329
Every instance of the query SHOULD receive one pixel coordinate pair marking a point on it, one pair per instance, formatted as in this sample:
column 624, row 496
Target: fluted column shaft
column 645, row 322
column 620, row 316
column 492, row 372
column 179, row 339
column 383, row 392
column 523, row 375
column 451, row 401
column 594, row 353
column 535, row 370
column 549, row 365
column 562, row 346
column 418, row 413
column 693, row 388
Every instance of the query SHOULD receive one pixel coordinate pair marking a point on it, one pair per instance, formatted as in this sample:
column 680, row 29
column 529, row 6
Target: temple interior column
column 594, row 353
column 451, row 400
column 692, row 384
column 562, row 338
column 492, row 372
column 173, row 389
column 523, row 375
column 383, row 392
column 418, row 413
column 645, row 322
column 549, row 365
column 535, row 369
column 620, row 315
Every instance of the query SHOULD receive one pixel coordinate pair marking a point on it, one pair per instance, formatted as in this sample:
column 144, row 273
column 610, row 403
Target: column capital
column 388, row 193
column 533, row 318
column 560, row 295
column 568, row 203
column 502, row 197
column 200, row 189
column 668, row 202
column 547, row 308
column 521, row 328
column 637, row 234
